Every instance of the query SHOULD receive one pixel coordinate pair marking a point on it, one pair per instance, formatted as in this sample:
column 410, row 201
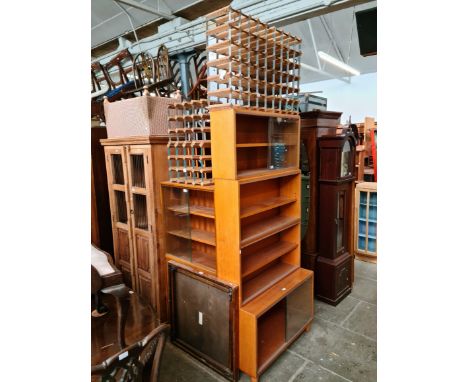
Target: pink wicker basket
column 140, row 116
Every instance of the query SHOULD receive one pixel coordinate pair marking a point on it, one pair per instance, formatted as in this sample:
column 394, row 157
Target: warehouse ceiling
column 334, row 32
column 343, row 35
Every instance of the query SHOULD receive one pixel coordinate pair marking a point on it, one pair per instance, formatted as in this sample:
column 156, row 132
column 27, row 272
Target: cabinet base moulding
column 368, row 258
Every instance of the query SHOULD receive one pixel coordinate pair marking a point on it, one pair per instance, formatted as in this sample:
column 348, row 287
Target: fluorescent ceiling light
column 338, row 63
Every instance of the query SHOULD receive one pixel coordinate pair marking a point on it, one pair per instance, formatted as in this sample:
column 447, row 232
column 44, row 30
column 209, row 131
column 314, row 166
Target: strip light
column 338, row 63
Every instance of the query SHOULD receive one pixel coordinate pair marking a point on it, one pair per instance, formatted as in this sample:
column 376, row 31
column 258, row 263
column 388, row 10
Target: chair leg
column 122, row 299
column 123, row 303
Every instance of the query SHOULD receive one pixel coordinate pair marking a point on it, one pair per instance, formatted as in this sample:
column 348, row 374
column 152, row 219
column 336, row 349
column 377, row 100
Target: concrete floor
column 341, row 345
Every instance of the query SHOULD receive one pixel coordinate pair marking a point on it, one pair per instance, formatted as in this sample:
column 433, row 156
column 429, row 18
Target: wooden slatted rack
column 251, row 64
column 189, row 146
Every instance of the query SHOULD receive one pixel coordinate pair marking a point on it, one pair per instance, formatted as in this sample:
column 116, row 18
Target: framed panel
column 204, row 308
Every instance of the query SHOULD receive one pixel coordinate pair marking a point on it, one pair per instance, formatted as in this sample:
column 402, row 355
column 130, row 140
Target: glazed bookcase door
column 139, row 180
column 366, row 222
column 116, row 163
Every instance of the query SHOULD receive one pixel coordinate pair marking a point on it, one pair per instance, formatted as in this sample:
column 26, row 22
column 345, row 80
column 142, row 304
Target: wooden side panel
column 158, row 168
column 248, row 343
column 291, row 187
column 145, row 287
column 227, row 230
column 223, row 143
column 102, row 222
column 95, row 239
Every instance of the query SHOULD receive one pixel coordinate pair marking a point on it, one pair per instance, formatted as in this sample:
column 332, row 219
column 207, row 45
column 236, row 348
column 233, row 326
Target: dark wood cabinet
column 204, row 318
column 335, row 187
column 314, row 124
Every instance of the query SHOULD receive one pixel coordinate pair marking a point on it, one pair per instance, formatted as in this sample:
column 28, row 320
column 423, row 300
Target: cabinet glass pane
column 121, row 206
column 363, row 197
column 372, row 213
column 362, row 211
column 140, row 211
column 371, row 245
column 117, row 168
column 362, row 227
column 373, row 198
column 372, row 229
column 282, row 143
column 362, row 243
column 177, row 222
column 138, row 170
column 298, row 309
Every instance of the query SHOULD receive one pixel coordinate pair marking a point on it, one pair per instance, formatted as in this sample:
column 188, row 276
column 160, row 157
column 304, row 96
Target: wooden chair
column 122, row 63
column 104, row 274
column 129, row 364
column 100, row 85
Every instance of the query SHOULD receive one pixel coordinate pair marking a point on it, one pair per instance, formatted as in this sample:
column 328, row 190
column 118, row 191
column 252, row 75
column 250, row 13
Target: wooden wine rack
column 252, row 64
column 189, row 146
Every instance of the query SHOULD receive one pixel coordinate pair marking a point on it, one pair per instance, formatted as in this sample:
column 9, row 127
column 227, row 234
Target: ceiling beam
column 331, row 37
column 146, row 8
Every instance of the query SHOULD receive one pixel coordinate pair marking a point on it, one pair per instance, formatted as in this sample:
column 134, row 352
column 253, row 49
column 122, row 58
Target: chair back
column 128, row 365
column 123, row 63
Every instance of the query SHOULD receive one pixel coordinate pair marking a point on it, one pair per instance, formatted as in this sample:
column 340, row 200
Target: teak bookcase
column 135, row 167
column 246, row 229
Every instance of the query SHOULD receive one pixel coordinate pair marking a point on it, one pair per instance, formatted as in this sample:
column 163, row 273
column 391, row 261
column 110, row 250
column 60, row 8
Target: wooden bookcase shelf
column 260, row 230
column 256, row 175
column 207, row 212
column 189, row 223
column 257, row 260
column 265, row 205
column 196, row 235
column 265, row 280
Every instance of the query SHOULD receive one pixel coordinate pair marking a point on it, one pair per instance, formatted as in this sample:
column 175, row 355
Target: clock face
column 345, row 157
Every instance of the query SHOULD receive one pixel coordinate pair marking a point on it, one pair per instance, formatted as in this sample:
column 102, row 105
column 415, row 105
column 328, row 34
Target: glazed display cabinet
column 366, row 221
column 135, row 166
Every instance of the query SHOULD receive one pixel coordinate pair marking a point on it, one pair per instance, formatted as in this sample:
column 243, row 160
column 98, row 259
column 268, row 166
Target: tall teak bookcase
column 246, row 228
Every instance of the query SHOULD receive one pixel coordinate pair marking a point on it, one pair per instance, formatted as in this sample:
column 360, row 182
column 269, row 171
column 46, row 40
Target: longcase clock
column 336, row 181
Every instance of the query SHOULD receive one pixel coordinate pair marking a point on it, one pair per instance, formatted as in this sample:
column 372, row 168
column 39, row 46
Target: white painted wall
column 358, row 99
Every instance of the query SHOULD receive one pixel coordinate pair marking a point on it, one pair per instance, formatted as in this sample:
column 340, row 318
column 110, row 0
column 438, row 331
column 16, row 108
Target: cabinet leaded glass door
column 140, row 198
column 116, row 165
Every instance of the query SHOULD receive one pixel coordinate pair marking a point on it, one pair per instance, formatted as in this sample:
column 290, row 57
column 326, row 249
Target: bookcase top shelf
column 253, row 112
column 256, row 175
